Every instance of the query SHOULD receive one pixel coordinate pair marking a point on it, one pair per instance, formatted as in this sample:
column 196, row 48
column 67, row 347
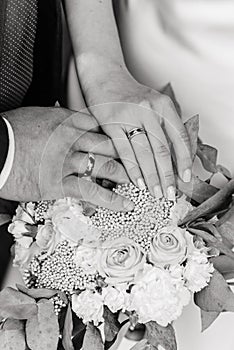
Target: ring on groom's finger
column 91, row 162
column 134, row 132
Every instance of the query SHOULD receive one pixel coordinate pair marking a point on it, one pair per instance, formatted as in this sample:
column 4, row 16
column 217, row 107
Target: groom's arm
column 7, row 149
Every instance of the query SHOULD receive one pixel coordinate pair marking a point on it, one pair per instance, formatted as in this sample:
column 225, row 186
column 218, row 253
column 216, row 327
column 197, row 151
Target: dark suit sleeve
column 4, row 143
column 6, row 207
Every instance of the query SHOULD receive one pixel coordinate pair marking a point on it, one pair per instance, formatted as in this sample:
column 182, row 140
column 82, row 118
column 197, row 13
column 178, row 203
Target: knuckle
column 169, row 175
column 111, row 167
column 163, row 150
column 145, row 152
column 183, row 135
column 92, row 190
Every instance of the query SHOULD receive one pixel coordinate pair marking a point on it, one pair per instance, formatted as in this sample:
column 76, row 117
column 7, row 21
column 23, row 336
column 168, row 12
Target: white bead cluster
column 58, row 304
column 58, row 271
column 41, row 210
column 141, row 224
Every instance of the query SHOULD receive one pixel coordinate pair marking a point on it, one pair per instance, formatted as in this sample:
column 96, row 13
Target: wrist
column 98, row 75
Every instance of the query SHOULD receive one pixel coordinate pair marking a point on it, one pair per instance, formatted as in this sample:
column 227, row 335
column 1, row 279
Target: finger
column 104, row 167
column 96, row 143
column 145, row 157
column 162, row 157
column 95, row 194
column 127, row 156
column 180, row 140
column 84, row 121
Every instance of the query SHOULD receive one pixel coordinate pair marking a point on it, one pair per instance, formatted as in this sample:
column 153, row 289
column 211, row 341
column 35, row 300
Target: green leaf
column 212, row 241
column 208, row 157
column 223, row 264
column 42, row 330
column 207, row 318
column 12, row 340
column 192, row 127
column 67, row 330
column 17, row 305
column 197, row 189
column 37, row 293
column 92, row 338
column 217, row 296
column 111, row 325
column 212, row 204
column 168, row 90
column 226, row 225
column 79, row 329
column 158, row 335
column 224, row 171
column 143, row 345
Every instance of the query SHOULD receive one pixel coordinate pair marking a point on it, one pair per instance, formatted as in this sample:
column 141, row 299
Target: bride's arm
column 95, row 39
column 105, row 79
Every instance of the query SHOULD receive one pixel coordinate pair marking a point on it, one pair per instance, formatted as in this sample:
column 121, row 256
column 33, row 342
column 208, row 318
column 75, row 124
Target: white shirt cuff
column 10, row 155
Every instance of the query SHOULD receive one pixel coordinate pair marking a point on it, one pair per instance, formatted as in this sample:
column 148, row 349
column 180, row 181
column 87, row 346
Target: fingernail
column 171, row 193
column 187, row 175
column 141, row 183
column 158, row 192
column 128, row 205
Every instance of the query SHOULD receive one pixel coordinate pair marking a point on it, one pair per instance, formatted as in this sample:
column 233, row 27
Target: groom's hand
column 51, row 146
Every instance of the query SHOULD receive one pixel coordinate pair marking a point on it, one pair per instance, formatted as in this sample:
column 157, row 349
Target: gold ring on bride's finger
column 135, row 131
column 91, row 162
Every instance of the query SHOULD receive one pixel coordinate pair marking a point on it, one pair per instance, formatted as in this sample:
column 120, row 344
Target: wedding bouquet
column 83, row 267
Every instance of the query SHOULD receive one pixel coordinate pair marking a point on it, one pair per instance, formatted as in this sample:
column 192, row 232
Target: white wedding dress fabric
column 189, row 43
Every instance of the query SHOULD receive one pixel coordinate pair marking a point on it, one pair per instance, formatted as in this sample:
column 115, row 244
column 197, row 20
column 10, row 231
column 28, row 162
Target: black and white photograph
column 116, row 174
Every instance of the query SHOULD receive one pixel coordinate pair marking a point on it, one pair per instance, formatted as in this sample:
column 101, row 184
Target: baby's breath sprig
column 59, row 271
column 141, row 224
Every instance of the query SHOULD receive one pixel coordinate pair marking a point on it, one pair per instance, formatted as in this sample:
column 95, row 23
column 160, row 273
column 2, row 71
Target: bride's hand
column 124, row 104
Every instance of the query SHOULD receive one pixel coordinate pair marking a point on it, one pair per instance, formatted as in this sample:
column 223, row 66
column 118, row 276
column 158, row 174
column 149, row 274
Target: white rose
column 170, row 246
column 88, row 305
column 87, row 258
column 68, row 219
column 116, row 298
column 47, row 238
column 156, row 297
column 120, row 261
column 197, row 272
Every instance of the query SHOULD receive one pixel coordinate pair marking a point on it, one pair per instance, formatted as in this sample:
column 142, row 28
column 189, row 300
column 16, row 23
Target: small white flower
column 88, row 305
column 87, row 258
column 158, row 297
column 197, row 272
column 116, row 298
column 25, row 212
column 18, row 228
column 68, row 219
